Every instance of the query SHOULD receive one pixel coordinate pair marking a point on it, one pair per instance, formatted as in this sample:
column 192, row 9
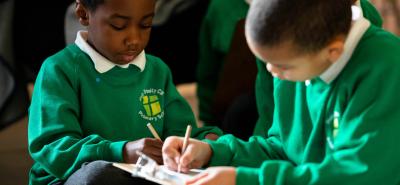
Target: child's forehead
column 128, row 7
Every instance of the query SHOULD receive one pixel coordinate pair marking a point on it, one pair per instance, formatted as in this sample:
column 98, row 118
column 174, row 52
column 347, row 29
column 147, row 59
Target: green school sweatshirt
column 215, row 39
column 344, row 132
column 78, row 115
column 264, row 80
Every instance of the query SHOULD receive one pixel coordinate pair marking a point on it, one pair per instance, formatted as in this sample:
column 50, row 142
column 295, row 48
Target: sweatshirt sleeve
column 55, row 137
column 231, row 151
column 178, row 114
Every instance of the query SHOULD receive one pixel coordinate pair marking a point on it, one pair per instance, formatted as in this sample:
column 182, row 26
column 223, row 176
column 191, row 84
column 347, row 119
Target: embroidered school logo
column 332, row 128
column 152, row 109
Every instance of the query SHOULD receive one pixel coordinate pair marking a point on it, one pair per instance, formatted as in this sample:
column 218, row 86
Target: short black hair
column 91, row 4
column 309, row 24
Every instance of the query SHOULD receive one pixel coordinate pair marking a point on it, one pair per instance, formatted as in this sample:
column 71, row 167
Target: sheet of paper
column 172, row 177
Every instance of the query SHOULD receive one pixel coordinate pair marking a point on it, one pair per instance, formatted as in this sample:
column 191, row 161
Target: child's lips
column 128, row 56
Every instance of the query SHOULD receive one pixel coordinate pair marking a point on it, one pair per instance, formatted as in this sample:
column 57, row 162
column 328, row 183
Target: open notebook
column 148, row 169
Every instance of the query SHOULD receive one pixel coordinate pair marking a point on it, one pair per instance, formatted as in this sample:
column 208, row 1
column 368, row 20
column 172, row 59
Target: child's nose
column 132, row 45
column 133, row 39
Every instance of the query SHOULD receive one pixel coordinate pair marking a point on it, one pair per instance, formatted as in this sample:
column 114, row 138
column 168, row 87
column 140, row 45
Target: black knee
column 99, row 173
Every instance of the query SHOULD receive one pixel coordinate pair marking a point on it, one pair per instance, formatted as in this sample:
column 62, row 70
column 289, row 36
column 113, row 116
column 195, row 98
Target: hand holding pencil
column 149, row 146
column 182, row 156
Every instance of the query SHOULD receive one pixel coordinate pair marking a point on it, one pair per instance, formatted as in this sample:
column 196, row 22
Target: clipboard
column 148, row 169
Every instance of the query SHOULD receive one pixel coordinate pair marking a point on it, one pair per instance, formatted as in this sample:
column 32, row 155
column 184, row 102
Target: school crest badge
column 152, row 109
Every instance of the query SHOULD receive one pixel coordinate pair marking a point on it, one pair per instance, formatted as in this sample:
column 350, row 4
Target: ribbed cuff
column 115, row 150
column 221, row 154
column 209, row 130
column 248, row 176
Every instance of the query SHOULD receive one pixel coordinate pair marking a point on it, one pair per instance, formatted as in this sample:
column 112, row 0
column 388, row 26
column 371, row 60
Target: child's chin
column 123, row 61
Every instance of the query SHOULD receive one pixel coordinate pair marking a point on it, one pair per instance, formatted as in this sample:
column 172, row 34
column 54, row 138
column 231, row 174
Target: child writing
column 264, row 83
column 93, row 100
column 336, row 116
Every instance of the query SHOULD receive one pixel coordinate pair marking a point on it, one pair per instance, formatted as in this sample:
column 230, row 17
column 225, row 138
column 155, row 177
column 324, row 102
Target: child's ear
column 335, row 49
column 82, row 13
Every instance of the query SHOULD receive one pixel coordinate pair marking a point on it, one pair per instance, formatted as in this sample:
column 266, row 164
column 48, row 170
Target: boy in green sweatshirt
column 93, row 100
column 336, row 114
column 215, row 39
column 264, row 82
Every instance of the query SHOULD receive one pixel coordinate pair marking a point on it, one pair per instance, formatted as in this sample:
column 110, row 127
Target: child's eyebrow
column 128, row 18
column 149, row 15
column 120, row 16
